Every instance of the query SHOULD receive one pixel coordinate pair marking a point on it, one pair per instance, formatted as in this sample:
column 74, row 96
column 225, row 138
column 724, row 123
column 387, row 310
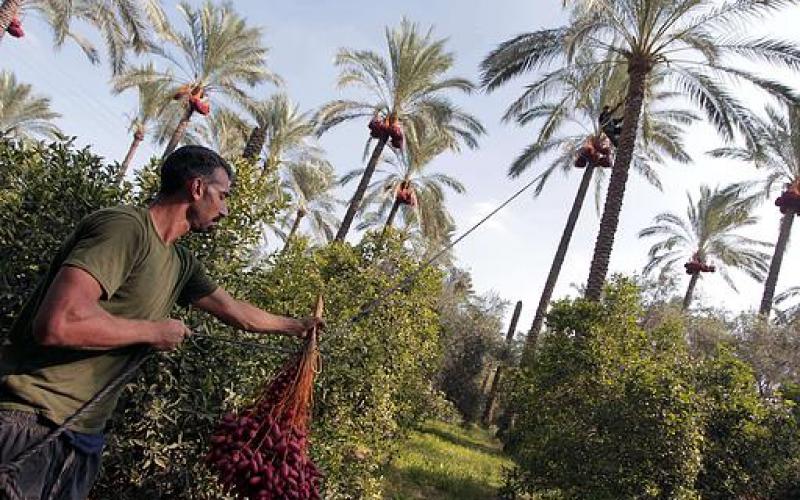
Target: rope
column 408, row 280
column 10, row 470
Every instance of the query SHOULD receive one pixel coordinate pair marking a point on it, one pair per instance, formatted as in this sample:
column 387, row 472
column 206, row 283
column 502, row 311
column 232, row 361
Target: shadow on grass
column 430, row 485
column 461, row 441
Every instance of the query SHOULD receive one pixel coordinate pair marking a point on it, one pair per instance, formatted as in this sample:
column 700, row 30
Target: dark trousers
column 58, row 472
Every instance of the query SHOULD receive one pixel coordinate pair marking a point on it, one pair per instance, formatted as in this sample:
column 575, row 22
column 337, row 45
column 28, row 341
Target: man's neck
column 169, row 218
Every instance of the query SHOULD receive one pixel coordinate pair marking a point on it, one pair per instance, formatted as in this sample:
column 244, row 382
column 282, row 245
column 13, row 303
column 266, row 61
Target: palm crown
column 23, row 114
column 708, row 234
column 217, row 57
column 408, row 98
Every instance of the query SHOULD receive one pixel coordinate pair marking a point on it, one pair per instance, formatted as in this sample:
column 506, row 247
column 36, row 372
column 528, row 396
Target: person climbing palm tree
column 686, row 41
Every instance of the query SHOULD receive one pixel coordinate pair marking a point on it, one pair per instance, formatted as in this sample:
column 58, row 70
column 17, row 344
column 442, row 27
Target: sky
column 511, row 254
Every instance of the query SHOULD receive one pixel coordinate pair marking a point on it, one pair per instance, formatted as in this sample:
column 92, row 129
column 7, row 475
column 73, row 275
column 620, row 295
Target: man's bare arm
column 245, row 316
column 70, row 316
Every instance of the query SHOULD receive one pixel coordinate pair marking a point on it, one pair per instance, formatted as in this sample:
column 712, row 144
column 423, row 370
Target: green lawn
column 443, row 461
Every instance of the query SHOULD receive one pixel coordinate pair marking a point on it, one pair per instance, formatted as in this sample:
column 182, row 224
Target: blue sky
column 511, row 254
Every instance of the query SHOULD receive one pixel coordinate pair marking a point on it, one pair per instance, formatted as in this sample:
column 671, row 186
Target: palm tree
column 405, row 186
column 225, row 131
column 24, row 115
column 152, row 98
column 122, row 24
column 219, row 54
column 708, row 233
column 309, row 188
column 778, row 151
column 409, row 92
column 690, row 41
column 568, row 107
column 283, row 133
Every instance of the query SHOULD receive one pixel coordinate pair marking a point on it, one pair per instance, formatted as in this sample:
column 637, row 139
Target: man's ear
column 196, row 188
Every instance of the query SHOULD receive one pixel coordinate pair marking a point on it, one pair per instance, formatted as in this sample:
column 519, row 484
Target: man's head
column 201, row 178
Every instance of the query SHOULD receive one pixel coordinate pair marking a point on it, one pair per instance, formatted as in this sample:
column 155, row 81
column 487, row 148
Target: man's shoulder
column 124, row 216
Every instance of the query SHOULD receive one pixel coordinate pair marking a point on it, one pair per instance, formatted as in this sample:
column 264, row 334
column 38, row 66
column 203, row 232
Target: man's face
column 208, row 201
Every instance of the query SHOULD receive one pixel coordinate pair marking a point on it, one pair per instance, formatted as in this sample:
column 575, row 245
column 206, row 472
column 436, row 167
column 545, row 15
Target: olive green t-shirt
column 141, row 277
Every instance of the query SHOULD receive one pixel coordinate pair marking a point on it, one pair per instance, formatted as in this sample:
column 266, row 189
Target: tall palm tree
column 23, row 114
column 405, row 187
column 690, row 41
column 225, row 131
column 409, row 93
column 708, row 233
column 218, row 55
column 309, row 187
column 283, row 132
column 152, row 98
column 778, row 152
column 568, row 107
column 122, row 24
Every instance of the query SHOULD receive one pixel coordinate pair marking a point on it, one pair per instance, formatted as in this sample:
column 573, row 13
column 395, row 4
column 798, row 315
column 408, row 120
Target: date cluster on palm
column 196, row 96
column 596, row 152
column 261, row 453
column 406, row 195
column 387, row 127
column 15, row 28
column 694, row 266
column 789, row 200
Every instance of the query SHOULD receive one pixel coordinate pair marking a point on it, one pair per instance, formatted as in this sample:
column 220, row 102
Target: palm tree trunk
column 179, row 132
column 8, row 10
column 558, row 261
column 775, row 266
column 123, row 169
column 392, row 214
column 358, row 197
column 637, row 71
column 488, row 412
column 687, row 299
column 292, row 231
column 255, row 143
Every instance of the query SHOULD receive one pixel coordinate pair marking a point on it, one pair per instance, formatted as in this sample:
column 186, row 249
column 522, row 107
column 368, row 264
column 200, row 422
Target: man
column 611, row 126
column 106, row 297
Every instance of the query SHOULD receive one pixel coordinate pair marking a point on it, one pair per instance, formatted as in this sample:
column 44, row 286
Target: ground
column 443, row 461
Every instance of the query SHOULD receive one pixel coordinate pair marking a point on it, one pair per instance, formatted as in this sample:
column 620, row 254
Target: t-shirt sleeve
column 107, row 246
column 198, row 285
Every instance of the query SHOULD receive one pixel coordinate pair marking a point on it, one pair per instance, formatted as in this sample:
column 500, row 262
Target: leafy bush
column 44, row 190
column 609, row 409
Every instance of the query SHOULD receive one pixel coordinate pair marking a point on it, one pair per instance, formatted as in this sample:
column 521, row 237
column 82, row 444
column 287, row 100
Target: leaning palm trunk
column 488, row 412
column 292, row 231
column 8, row 11
column 775, row 266
column 558, row 261
column 179, row 132
column 255, row 143
column 392, row 214
column 619, row 177
column 138, row 137
column 358, row 197
column 687, row 299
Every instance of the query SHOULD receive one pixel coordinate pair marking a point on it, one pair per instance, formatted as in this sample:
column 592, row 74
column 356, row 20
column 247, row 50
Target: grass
column 442, row 461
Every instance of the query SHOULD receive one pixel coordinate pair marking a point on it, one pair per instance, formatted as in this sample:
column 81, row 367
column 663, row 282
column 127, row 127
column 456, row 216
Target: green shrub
column 44, row 190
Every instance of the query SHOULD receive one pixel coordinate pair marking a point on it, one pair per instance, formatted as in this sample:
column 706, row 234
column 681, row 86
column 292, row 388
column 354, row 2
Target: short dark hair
column 190, row 162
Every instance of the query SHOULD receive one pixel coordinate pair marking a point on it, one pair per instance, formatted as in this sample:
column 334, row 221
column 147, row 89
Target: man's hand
column 170, row 334
column 305, row 325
